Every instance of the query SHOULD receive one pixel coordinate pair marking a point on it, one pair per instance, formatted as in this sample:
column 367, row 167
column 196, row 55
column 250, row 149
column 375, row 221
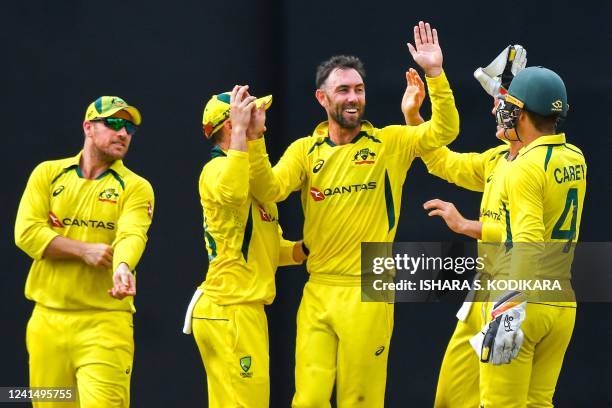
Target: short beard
column 336, row 114
column 107, row 157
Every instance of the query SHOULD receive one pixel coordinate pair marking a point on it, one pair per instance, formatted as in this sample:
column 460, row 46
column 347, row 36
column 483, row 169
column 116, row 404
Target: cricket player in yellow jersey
column 350, row 175
column 84, row 221
column 458, row 381
column 542, row 196
column 245, row 246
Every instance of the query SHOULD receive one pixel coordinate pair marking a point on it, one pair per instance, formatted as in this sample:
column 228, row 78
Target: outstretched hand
column 413, row 98
column 426, row 50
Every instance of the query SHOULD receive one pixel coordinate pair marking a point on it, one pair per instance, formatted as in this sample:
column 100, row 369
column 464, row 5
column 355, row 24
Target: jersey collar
column 216, row 151
column 548, row 140
column 117, row 169
column 322, row 131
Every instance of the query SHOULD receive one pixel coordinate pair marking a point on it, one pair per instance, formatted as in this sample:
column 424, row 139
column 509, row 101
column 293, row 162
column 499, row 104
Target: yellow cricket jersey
column 243, row 238
column 352, row 193
column 542, row 199
column 114, row 209
column 483, row 172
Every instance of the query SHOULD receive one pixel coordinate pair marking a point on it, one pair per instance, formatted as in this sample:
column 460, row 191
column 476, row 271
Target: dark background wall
column 167, row 58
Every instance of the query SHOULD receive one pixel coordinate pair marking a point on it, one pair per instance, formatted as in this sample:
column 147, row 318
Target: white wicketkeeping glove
column 499, row 73
column 500, row 340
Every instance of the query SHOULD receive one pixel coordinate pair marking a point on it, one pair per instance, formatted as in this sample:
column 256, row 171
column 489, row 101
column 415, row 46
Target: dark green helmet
column 539, row 90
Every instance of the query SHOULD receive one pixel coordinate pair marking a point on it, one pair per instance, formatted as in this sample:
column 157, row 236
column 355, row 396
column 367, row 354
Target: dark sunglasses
column 117, row 124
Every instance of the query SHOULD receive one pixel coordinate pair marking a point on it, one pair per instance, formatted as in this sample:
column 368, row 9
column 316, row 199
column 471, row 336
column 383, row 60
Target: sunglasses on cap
column 117, row 124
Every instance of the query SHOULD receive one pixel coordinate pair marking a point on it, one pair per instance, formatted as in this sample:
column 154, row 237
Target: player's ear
column 524, row 118
column 320, row 95
column 87, row 128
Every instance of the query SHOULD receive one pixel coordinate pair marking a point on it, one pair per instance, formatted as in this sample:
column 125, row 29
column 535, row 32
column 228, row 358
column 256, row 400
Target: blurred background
column 167, row 58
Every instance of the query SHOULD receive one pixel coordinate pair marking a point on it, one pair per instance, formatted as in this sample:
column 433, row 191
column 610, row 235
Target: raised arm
column 444, row 124
column 288, row 175
column 226, row 181
column 466, row 170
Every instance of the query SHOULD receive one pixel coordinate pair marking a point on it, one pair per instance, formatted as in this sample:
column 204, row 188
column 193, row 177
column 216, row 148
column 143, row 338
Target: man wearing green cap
column 245, row 246
column 523, row 344
column 84, row 221
column 458, row 380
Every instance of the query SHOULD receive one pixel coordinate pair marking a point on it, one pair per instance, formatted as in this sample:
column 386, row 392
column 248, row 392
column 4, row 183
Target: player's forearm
column 65, row 248
column 462, row 169
column 129, row 250
column 413, row 119
column 239, row 140
column 264, row 186
column 444, row 123
column 471, row 228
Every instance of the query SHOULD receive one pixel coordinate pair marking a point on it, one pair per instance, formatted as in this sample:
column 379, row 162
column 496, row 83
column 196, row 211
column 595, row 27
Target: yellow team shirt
column 114, row 209
column 242, row 235
column 483, row 172
column 352, row 193
column 542, row 202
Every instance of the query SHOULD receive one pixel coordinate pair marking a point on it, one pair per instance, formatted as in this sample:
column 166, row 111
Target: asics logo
column 57, row 191
column 318, row 166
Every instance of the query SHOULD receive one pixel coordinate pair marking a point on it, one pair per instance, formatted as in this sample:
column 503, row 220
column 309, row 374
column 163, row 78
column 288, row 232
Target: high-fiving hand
column 426, row 50
column 413, row 98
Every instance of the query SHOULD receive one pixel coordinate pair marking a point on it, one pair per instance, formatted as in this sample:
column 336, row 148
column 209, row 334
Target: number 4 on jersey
column 568, row 234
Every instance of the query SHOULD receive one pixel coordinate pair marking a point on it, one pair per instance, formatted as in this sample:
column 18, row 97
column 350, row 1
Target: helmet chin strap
column 518, row 137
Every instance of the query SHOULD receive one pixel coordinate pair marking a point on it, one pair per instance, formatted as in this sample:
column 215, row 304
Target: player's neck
column 92, row 165
column 340, row 135
column 514, row 149
column 530, row 136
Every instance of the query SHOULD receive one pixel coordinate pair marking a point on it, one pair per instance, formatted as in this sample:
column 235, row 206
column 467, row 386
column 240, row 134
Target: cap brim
column 209, row 130
column 132, row 111
column 265, row 100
